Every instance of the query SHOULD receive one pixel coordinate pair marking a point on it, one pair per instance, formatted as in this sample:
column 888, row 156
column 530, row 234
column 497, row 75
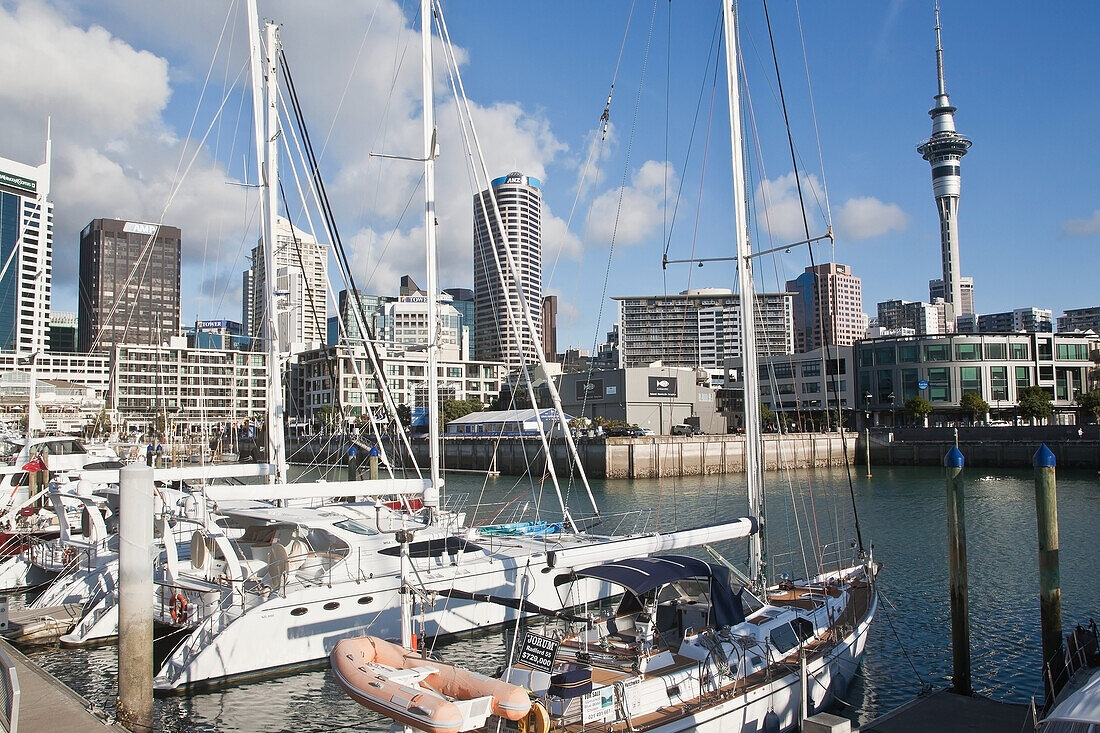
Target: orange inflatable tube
column 507, row 700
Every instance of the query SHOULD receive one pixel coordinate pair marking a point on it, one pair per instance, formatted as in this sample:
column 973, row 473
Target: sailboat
column 298, row 579
column 685, row 649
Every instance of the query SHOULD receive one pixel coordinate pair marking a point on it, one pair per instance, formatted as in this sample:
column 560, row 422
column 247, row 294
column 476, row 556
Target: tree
column 454, row 409
column 973, row 404
column 766, row 415
column 1034, row 403
column 404, row 414
column 918, row 408
column 1090, row 401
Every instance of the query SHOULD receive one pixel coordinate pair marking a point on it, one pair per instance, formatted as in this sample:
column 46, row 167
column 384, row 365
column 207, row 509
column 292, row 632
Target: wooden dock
column 946, row 712
column 45, row 704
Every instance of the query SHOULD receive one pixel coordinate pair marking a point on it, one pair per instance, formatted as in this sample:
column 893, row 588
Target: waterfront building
column 1031, row 320
column 919, row 318
column 505, row 424
column 649, row 397
column 828, row 307
column 26, row 240
column 797, row 388
column 129, row 284
column 944, row 151
column 301, row 289
column 937, row 292
column 318, row 371
column 996, row 366
column 63, row 333
column 1080, row 319
column 699, row 328
column 500, row 330
column 78, row 383
column 189, row 389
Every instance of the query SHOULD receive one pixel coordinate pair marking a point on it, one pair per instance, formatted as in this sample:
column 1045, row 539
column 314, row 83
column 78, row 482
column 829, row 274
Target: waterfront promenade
column 1009, row 447
column 46, row 704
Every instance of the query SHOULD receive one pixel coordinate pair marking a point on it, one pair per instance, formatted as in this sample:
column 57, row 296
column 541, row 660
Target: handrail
column 9, row 694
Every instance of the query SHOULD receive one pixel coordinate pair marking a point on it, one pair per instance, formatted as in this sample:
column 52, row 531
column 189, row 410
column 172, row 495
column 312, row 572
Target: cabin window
column 352, row 525
column 299, row 611
column 364, row 600
column 331, row 605
column 803, row 628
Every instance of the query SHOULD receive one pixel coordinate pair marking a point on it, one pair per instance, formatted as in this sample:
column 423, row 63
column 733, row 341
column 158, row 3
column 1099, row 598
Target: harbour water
column 901, row 513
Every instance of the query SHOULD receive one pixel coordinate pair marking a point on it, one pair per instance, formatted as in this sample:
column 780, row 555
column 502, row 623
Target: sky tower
column 944, row 151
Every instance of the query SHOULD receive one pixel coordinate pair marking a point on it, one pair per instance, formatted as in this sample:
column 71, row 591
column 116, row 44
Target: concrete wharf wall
column 648, row 457
column 1010, row 447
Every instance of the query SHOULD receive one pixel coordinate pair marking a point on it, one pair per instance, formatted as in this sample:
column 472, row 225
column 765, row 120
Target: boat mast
column 751, row 380
column 266, row 127
column 431, row 496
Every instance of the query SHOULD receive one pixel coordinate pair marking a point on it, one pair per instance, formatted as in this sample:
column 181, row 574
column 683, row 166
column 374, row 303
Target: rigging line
column 901, row 644
column 321, row 195
column 626, row 166
column 813, row 116
column 806, row 228
column 525, row 308
column 347, row 84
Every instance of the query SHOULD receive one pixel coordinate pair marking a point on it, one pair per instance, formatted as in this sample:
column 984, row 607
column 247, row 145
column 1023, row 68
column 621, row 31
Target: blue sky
column 122, row 80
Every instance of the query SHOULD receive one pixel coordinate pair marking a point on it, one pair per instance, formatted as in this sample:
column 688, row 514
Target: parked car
column 684, row 430
column 625, row 431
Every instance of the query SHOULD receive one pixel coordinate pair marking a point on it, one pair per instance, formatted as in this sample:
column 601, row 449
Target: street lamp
column 893, row 408
column 867, row 406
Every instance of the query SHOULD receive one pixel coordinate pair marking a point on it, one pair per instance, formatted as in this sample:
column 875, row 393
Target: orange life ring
column 179, row 608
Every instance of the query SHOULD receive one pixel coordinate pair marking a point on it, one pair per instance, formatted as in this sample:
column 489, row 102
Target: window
column 1044, row 350
column 782, row 371
column 998, row 382
column 1075, row 352
column 937, row 352
column 811, row 368
column 885, row 355
column 996, row 351
column 866, row 356
column 970, row 380
column 939, row 385
column 1023, row 377
column 886, row 386
column 908, row 353
column 1019, row 351
column 909, row 379
column 968, row 352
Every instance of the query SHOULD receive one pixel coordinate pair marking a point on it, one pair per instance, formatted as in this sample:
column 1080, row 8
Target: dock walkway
column 45, row 704
column 945, row 712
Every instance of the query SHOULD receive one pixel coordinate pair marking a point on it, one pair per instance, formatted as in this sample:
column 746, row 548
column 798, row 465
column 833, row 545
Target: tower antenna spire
column 944, row 151
column 939, row 53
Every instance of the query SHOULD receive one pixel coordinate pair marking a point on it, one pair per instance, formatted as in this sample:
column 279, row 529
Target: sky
column 151, row 121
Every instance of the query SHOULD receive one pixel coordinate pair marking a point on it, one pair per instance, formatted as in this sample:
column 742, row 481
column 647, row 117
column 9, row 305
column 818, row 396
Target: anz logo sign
column 662, row 387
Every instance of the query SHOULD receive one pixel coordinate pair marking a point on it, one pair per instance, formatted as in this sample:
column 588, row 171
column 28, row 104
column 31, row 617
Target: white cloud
column 1083, row 227
column 866, row 217
column 122, row 100
column 631, row 214
column 856, row 219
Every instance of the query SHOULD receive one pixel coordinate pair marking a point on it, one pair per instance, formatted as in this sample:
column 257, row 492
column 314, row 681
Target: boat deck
column 41, row 624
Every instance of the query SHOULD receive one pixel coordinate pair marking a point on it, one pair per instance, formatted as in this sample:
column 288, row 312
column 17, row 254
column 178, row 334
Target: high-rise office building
column 1027, row 320
column 26, row 240
column 550, row 327
column 828, row 307
column 463, row 301
column 63, row 333
column 936, row 290
column 129, row 284
column 301, row 289
column 944, row 151
column 500, row 329
column 920, row 318
column 248, row 291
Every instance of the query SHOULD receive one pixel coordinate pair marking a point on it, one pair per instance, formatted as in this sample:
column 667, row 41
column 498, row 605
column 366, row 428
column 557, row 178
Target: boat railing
column 9, row 695
column 832, row 558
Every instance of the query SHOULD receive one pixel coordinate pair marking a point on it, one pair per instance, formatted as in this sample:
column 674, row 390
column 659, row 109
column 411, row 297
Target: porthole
column 299, row 611
column 332, row 605
column 364, row 600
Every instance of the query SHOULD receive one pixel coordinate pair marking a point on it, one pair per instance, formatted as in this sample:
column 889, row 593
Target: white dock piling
column 135, row 599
